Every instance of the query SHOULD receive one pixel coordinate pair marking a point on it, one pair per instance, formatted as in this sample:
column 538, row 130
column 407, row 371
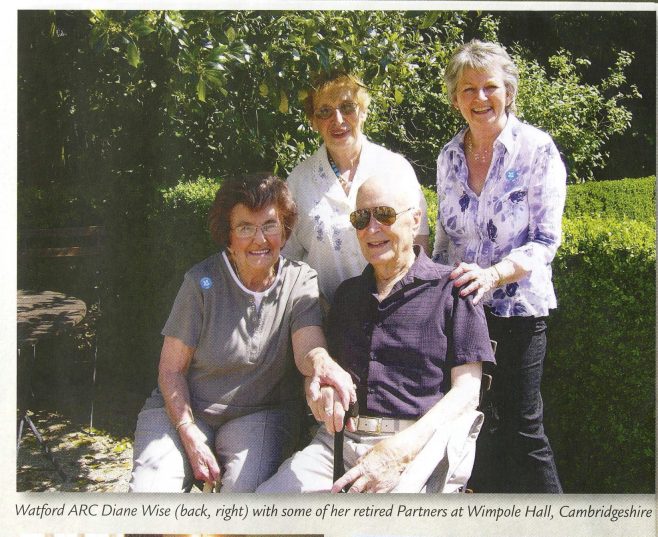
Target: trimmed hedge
column 627, row 198
column 622, row 199
column 599, row 383
column 183, row 214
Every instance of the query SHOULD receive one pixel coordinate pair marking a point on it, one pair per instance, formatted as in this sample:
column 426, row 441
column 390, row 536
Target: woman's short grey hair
column 482, row 56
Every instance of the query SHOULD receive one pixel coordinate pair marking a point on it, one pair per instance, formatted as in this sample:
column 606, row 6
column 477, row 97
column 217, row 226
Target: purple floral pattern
column 517, row 215
column 319, row 227
column 464, row 202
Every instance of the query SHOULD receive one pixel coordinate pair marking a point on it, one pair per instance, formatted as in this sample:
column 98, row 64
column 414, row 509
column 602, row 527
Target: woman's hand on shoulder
column 201, row 458
column 474, row 279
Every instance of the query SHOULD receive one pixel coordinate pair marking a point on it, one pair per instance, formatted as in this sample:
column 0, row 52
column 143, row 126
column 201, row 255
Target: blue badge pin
column 511, row 175
column 205, row 283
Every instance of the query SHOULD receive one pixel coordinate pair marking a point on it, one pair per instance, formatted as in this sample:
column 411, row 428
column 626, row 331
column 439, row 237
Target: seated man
column 413, row 347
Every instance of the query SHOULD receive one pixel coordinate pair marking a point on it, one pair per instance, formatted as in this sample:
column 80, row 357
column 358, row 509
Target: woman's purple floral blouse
column 518, row 215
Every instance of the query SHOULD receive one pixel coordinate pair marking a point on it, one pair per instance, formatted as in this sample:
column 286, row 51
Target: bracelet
column 501, row 280
column 184, row 421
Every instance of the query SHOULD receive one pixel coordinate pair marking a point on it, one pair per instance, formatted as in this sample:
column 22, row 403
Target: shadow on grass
column 97, row 459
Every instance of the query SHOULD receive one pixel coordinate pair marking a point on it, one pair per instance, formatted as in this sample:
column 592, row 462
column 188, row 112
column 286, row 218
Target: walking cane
column 339, row 464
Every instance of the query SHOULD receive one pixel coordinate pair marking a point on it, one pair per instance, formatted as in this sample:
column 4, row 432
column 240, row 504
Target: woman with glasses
column 501, row 187
column 228, row 402
column 325, row 184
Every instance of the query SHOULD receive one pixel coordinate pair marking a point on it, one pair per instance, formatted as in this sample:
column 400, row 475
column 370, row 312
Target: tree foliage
column 114, row 104
column 582, row 117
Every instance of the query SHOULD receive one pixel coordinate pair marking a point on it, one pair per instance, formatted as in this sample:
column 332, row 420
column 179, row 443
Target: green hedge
column 182, row 215
column 626, row 198
column 599, row 384
column 600, row 371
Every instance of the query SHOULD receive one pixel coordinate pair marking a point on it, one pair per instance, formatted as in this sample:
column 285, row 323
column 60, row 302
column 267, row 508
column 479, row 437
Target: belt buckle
column 369, row 425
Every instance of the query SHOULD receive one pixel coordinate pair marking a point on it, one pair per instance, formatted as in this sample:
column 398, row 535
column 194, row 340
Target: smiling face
column 384, row 246
column 341, row 133
column 256, row 256
column 481, row 98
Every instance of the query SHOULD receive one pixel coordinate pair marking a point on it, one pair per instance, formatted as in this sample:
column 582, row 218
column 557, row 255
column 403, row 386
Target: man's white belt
column 374, row 425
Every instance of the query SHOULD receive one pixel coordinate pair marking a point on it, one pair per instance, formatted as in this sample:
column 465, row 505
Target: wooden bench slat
column 60, row 242
column 68, row 251
column 87, row 231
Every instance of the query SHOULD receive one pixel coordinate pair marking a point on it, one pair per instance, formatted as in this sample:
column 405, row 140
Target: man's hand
column 379, row 470
column 325, row 402
column 327, row 406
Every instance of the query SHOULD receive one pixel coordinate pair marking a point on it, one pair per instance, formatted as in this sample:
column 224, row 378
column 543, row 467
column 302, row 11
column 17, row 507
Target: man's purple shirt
column 400, row 351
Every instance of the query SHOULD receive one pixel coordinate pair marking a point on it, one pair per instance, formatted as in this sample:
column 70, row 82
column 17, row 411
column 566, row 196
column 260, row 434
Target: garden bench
column 78, row 250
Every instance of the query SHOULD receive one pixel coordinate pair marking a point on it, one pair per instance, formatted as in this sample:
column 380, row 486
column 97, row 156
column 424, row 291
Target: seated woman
column 228, row 398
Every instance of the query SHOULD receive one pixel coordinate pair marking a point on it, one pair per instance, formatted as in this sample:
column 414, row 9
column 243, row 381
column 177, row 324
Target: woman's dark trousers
column 513, row 453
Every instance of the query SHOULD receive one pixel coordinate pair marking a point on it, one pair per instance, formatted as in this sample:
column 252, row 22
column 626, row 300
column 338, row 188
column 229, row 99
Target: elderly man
column 413, row 347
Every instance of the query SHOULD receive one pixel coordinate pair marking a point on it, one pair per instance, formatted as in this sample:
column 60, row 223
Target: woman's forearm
column 313, row 361
column 172, row 379
column 176, row 394
column 174, row 388
column 507, row 271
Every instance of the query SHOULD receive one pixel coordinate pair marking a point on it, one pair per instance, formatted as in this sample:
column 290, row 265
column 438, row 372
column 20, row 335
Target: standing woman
column 501, row 186
column 324, row 186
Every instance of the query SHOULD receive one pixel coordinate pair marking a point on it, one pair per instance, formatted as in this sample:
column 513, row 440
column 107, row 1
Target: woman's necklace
column 479, row 156
column 345, row 183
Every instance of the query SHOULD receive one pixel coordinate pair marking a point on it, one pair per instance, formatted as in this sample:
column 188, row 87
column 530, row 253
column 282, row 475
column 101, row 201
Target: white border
column 336, row 527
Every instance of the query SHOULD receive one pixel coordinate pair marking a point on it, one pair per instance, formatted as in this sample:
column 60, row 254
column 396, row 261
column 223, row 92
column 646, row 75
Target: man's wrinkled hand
column 378, row 470
column 327, row 407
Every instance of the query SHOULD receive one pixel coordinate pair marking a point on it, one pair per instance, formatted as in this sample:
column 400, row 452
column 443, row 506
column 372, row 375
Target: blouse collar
column 506, row 137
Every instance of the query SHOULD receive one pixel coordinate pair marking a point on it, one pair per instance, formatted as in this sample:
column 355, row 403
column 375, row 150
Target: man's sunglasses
column 384, row 215
column 348, row 108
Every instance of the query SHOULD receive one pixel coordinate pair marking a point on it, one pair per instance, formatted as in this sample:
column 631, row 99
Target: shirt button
column 371, row 390
column 373, row 356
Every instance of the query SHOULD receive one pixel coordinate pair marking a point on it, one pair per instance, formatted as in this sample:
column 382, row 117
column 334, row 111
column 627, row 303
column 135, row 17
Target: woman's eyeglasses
column 247, row 231
column 348, row 108
column 384, row 215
